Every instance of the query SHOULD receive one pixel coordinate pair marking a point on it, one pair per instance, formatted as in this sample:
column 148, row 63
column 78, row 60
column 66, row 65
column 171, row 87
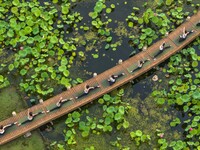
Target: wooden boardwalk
column 101, row 79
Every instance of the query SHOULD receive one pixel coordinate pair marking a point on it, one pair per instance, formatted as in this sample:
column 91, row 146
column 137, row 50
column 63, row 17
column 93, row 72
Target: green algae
column 34, row 142
column 10, row 101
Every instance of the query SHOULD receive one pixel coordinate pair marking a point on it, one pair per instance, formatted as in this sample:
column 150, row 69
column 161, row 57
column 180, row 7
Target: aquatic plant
column 3, row 81
column 138, row 136
column 38, row 44
column 183, row 92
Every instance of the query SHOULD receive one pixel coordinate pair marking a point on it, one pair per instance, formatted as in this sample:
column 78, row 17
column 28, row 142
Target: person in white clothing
column 87, row 89
column 184, row 35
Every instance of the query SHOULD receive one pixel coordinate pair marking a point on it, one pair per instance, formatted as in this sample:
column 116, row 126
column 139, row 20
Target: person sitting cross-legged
column 183, row 37
column 59, row 104
column 112, row 79
column 87, row 89
column 161, row 49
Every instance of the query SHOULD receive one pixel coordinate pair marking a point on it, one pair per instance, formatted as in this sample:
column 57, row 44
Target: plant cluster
column 183, row 92
column 161, row 18
column 36, row 33
column 138, row 136
column 3, row 81
column 112, row 118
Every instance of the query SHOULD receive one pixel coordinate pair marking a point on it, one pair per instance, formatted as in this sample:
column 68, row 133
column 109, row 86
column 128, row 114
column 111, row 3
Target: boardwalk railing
column 101, row 79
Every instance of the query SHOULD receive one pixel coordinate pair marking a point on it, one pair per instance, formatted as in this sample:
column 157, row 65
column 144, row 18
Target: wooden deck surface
column 101, row 79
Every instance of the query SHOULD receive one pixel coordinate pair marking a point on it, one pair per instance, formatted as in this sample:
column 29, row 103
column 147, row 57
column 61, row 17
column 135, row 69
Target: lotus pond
column 49, row 46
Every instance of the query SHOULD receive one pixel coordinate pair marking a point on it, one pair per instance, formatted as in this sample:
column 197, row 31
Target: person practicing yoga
column 112, row 79
column 30, row 117
column 184, row 35
column 87, row 89
column 59, row 104
column 2, row 128
column 161, row 49
column 140, row 64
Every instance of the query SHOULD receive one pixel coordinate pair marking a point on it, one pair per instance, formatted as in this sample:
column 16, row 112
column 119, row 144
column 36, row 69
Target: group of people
column 31, row 115
column 112, row 79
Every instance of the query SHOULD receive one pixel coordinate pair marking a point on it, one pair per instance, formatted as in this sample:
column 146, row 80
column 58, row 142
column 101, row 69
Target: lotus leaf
column 14, row 10
column 99, row 126
column 161, row 141
column 44, row 75
column 98, row 7
column 64, row 61
column 101, row 101
column 76, row 116
column 107, row 128
column 160, row 101
column 35, row 30
column 11, row 67
column 108, row 10
column 93, row 15
column 62, row 68
column 65, row 9
column 85, row 133
column 36, row 11
column 54, row 39
column 79, row 80
column 178, row 81
column 132, row 134
column 64, row 81
column 22, row 17
column 23, row 72
column 109, row 39
column 138, row 133
column 10, row 33
column 130, row 24
column 66, row 73
column 118, row 116
column 175, row 122
column 23, row 38
column 30, row 40
column 110, row 109
column 27, row 30
column 185, row 98
column 107, row 46
column 196, row 95
column 125, row 124
column 107, row 97
column 108, row 120
column 194, row 64
column 112, row 6
column 1, row 78
column 121, row 110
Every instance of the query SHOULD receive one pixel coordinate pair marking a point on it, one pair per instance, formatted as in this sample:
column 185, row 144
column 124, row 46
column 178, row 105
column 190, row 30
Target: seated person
column 30, row 117
column 86, row 90
column 112, row 79
column 161, row 49
column 2, row 128
column 184, row 35
column 140, row 64
column 59, row 104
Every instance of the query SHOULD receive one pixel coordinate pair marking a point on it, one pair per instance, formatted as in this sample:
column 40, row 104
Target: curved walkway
column 125, row 67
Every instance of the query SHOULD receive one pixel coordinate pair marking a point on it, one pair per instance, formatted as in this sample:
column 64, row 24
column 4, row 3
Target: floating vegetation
column 184, row 94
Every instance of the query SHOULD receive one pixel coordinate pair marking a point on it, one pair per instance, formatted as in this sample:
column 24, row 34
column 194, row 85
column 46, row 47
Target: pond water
column 145, row 114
